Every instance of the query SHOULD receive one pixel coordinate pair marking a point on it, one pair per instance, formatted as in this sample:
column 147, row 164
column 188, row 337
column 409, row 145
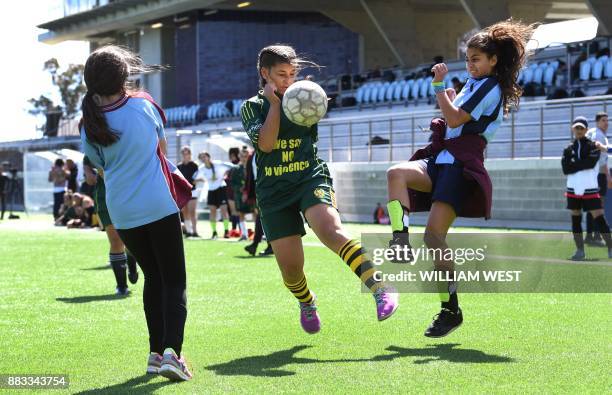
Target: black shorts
column 448, row 184
column 579, row 203
column 217, row 197
column 602, row 181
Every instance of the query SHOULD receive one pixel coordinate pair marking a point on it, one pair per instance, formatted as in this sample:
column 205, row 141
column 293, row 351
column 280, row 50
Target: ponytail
column 508, row 41
column 94, row 123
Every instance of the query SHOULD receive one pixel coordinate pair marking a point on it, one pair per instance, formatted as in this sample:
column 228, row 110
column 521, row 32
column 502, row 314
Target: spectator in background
column 580, row 164
column 575, row 72
column 189, row 168
column 58, row 176
column 375, row 73
column 457, row 84
column 73, row 171
column 598, row 133
column 234, row 218
column 379, row 212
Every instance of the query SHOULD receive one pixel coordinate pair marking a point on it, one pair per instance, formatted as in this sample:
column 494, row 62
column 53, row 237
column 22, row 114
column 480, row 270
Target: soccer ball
column 305, row 103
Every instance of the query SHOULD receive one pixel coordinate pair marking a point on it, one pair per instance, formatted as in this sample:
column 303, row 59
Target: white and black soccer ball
column 305, row 103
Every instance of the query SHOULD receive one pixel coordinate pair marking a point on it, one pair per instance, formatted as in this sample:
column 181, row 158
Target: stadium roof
column 125, row 15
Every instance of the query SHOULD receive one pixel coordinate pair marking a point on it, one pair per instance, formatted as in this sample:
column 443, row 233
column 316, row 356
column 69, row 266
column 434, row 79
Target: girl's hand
column 440, row 70
column 269, row 93
column 601, row 147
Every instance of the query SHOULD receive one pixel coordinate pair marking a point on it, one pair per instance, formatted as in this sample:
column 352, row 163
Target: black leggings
column 158, row 248
column 58, row 199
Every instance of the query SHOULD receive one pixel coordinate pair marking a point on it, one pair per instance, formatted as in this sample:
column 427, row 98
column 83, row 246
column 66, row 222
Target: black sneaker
column 401, row 239
column 267, row 251
column 444, row 323
column 251, row 249
column 226, row 234
column 214, row 236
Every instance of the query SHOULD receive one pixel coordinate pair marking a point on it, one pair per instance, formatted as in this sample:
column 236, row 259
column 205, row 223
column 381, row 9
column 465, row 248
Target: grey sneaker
column 154, row 363
column 579, row 255
column 173, row 367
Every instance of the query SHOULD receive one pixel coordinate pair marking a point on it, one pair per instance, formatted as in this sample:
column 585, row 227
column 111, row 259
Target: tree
column 71, row 88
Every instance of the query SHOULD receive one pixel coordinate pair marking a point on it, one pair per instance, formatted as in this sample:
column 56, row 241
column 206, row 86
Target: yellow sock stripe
column 351, row 251
column 356, row 263
column 348, row 243
column 306, row 299
column 299, row 284
column 302, row 293
column 297, row 287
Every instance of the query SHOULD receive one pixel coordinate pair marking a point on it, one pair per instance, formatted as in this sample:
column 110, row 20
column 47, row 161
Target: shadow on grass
column 92, row 298
column 136, row 385
column 253, row 257
column 274, row 364
column 104, row 267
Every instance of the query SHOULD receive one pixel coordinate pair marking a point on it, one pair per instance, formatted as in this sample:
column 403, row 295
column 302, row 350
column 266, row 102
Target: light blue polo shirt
column 136, row 189
column 482, row 99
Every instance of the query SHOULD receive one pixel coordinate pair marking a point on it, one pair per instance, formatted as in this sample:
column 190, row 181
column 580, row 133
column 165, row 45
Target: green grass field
column 58, row 316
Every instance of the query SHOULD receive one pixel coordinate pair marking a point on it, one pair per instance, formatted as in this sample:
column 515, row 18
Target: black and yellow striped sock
column 353, row 254
column 300, row 290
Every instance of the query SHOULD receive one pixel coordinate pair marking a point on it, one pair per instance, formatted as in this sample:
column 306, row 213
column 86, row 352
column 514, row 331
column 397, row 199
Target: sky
column 21, row 74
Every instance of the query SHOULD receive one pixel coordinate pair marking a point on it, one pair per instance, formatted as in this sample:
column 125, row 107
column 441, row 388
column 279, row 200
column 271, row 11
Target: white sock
column 188, row 226
column 406, row 220
column 243, row 228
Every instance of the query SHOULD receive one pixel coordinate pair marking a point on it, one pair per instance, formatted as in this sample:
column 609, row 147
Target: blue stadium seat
column 425, row 85
column 368, row 92
column 528, row 75
column 608, row 72
column 585, row 70
column 416, row 88
column 391, row 90
column 592, row 59
column 382, row 92
column 397, row 94
column 549, row 75
column 555, row 64
column 597, row 70
column 407, row 89
column 539, row 73
column 360, row 93
column 373, row 92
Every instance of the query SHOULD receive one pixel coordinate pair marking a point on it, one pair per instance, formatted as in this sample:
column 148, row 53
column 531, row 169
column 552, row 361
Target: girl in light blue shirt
column 121, row 132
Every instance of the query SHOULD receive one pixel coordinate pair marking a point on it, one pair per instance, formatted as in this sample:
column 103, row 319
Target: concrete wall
column 527, row 193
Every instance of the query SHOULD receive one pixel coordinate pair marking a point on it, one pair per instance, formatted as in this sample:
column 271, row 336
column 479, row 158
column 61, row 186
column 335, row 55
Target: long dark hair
column 280, row 53
column 508, row 41
column 106, row 73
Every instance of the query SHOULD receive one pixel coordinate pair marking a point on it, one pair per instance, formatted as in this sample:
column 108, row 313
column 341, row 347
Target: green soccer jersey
column 291, row 163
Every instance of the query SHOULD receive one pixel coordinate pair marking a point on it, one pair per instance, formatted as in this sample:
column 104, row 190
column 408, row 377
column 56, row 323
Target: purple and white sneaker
column 387, row 301
column 309, row 318
column 154, row 363
column 173, row 367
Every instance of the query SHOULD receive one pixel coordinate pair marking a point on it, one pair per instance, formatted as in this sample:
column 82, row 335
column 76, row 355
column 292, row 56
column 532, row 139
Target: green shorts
column 287, row 220
column 100, row 200
column 242, row 207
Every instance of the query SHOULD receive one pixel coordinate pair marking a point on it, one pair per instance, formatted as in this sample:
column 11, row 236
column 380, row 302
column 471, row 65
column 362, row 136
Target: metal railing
column 538, row 129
